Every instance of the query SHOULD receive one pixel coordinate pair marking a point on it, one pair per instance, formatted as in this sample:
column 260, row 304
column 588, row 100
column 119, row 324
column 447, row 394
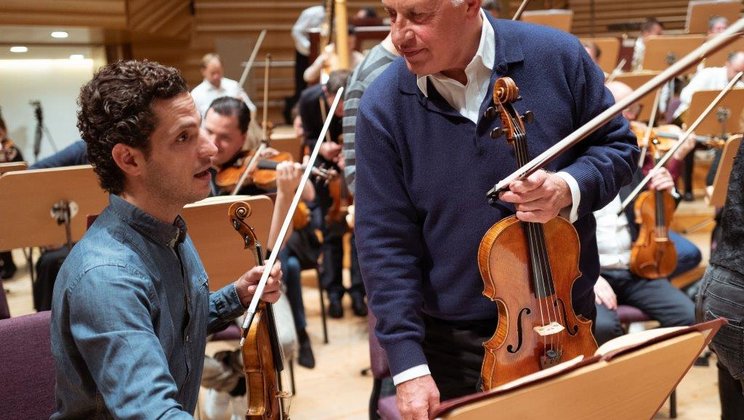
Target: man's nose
column 208, row 146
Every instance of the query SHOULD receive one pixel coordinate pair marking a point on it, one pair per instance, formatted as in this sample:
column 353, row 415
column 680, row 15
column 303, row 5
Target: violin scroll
column 238, row 212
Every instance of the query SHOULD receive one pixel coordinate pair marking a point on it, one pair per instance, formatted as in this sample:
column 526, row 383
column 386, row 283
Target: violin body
column 260, row 368
column 264, row 175
column 537, row 326
column 653, row 254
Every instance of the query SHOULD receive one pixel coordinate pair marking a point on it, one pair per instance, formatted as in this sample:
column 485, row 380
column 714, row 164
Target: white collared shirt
column 613, row 236
column 466, row 99
column 206, row 92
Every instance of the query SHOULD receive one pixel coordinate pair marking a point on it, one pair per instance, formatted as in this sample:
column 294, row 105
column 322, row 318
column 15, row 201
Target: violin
column 668, row 135
column 529, row 270
column 653, row 254
column 263, row 360
column 264, row 175
column 8, row 151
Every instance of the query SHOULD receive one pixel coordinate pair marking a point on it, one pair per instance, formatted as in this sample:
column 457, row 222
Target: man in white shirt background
column 215, row 85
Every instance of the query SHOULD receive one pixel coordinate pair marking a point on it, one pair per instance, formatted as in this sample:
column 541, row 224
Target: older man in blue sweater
column 425, row 160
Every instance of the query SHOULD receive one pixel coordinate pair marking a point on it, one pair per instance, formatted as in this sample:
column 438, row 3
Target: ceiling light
column 77, row 57
column 18, row 49
column 60, row 34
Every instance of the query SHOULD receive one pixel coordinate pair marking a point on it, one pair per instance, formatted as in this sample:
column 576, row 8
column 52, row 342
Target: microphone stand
column 40, row 129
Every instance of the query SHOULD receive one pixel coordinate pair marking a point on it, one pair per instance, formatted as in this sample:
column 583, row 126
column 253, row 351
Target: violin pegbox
column 238, row 212
column 505, row 92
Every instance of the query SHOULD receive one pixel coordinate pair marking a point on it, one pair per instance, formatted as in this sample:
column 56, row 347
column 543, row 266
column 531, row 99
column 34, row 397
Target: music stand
column 285, row 140
column 724, row 119
column 717, row 194
column 636, row 80
column 555, row 18
column 219, row 245
column 27, row 200
column 610, row 47
column 664, row 50
column 617, row 385
column 12, row 166
column 718, row 58
column 700, row 11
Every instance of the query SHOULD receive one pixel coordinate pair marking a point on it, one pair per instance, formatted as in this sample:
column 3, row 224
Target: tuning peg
column 498, row 132
column 491, row 113
column 528, row 117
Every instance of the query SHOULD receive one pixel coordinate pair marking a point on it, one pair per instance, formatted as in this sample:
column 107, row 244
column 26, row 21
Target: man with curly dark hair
column 131, row 306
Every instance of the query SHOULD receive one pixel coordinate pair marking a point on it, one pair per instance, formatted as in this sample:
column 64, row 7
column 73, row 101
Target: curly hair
column 116, row 107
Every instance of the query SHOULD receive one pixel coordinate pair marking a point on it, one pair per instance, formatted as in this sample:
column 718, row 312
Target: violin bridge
column 550, row 329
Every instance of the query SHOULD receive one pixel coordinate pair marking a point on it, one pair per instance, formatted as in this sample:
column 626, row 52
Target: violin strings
column 540, row 261
column 535, row 263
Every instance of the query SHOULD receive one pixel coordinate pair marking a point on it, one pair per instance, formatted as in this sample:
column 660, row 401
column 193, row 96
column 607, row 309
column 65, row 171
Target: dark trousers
column 454, row 352
column 291, row 270
column 722, row 295
column 331, row 271
column 657, row 298
column 688, row 255
column 47, row 268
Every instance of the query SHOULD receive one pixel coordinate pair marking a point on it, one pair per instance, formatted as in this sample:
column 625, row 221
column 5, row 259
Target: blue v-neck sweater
column 423, row 171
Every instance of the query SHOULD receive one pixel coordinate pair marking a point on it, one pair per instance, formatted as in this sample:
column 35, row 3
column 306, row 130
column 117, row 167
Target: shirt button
column 188, row 338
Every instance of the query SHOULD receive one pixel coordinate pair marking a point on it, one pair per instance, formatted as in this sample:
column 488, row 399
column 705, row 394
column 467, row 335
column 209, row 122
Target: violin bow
column 616, row 71
column 668, row 155
column 715, row 44
column 521, row 8
column 251, row 311
column 265, row 141
column 649, row 129
column 252, row 58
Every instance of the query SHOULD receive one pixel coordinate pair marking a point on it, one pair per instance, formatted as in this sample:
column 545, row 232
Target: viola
column 529, row 270
column 263, row 360
column 653, row 254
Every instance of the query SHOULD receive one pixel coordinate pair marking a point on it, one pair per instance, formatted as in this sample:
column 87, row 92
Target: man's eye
column 182, row 137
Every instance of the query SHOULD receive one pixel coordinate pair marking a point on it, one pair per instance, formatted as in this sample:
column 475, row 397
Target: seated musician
column 709, row 78
column 688, row 255
column 227, row 126
column 617, row 285
column 314, row 104
column 650, row 27
column 425, row 160
column 328, row 60
column 131, row 307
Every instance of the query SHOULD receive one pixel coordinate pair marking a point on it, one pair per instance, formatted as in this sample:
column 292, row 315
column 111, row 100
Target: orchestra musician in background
column 216, row 85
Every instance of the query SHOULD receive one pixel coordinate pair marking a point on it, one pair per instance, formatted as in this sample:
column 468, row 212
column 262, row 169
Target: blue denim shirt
column 130, row 315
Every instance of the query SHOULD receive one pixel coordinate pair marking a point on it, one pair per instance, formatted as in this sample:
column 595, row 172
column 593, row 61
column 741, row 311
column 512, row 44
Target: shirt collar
column 165, row 234
column 484, row 56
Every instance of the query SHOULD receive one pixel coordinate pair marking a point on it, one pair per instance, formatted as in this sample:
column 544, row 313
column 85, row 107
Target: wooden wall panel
column 220, row 19
column 110, row 14
column 165, row 18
